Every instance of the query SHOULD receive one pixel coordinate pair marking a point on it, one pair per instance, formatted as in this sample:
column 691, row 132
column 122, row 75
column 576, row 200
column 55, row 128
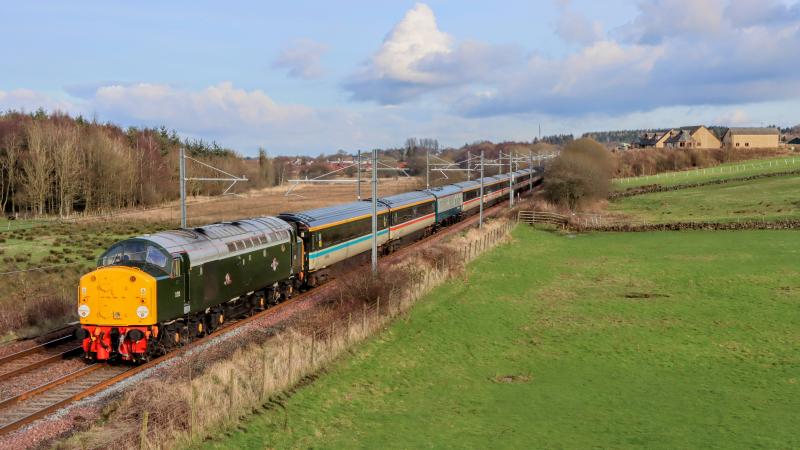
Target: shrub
column 581, row 173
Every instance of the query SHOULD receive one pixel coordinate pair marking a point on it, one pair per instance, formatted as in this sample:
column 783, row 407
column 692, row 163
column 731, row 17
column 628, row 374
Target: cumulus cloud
column 221, row 108
column 734, row 118
column 29, row 100
column 674, row 52
column 302, row 59
column 416, row 57
column 661, row 19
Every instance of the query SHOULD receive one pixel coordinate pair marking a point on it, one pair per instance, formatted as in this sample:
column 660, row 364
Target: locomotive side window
column 176, row 268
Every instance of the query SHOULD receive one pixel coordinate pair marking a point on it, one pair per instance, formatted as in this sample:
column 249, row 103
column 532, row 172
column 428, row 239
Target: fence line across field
column 712, row 170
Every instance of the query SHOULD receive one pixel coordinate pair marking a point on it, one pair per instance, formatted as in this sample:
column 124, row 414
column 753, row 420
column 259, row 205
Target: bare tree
column 38, row 166
column 9, row 158
column 66, row 165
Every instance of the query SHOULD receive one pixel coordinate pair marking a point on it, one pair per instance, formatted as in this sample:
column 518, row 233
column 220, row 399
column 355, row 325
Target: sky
column 306, row 77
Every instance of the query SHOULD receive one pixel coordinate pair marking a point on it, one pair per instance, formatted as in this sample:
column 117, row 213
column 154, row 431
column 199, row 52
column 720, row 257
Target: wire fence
column 603, row 222
column 713, row 171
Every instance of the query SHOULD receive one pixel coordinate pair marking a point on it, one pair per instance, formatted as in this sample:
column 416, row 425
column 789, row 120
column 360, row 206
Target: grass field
column 721, row 172
column 762, row 199
column 644, row 340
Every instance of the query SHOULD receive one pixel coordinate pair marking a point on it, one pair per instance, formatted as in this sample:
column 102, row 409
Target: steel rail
column 60, row 356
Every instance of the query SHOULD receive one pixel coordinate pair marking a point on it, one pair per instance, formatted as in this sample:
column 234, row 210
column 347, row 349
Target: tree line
column 56, row 164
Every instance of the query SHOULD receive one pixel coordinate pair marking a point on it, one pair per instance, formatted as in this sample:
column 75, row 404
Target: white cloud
column 221, row 108
column 673, row 53
column 28, row 100
column 662, row 19
column 416, row 57
column 414, row 39
column 302, row 59
column 734, row 118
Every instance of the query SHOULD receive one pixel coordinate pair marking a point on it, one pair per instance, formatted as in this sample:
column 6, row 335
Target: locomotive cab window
column 137, row 254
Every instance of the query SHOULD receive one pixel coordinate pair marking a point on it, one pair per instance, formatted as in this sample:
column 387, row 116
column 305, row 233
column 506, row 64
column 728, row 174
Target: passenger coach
column 333, row 234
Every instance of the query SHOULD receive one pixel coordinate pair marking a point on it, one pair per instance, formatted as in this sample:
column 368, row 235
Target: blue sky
column 312, row 76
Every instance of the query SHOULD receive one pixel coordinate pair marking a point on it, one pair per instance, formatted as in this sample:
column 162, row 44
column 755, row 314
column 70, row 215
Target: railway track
column 29, row 406
column 40, row 401
column 50, row 352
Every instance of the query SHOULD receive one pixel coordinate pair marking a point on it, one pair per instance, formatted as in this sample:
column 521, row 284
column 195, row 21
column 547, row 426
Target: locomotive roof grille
column 210, row 242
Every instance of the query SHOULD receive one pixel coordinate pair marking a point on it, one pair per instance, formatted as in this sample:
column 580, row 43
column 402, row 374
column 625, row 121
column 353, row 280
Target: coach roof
column 468, row 185
column 406, row 198
column 444, row 191
column 315, row 218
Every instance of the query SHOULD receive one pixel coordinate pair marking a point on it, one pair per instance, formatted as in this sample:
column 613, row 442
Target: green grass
column 762, row 199
column 645, row 340
column 721, row 172
column 67, row 250
column 19, row 224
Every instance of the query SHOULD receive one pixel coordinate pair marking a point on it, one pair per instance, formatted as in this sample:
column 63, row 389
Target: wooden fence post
column 232, row 385
column 263, row 373
column 349, row 326
column 143, row 431
column 313, row 345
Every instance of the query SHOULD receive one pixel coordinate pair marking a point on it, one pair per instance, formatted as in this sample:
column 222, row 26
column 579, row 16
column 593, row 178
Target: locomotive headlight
column 83, row 311
column 143, row 292
column 83, row 290
column 142, row 312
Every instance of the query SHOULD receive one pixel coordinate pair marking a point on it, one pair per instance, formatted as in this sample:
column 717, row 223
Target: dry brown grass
column 259, row 371
column 268, row 201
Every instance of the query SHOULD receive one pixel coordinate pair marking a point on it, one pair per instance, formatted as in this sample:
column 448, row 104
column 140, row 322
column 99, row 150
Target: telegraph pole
column 182, row 174
column 530, row 167
column 469, row 166
column 510, row 179
column 358, row 183
column 374, row 213
column 427, row 167
column 480, row 218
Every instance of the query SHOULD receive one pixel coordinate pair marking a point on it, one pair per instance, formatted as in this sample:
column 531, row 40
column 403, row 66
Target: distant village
column 703, row 137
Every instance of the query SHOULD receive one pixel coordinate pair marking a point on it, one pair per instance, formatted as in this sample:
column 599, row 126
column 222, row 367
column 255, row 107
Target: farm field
column 641, row 340
column 726, row 171
column 761, row 199
column 272, row 201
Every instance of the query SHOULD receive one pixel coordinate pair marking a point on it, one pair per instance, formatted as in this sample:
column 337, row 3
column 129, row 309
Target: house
column 703, row 137
column 751, row 137
column 684, row 137
column 795, row 141
column 652, row 139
